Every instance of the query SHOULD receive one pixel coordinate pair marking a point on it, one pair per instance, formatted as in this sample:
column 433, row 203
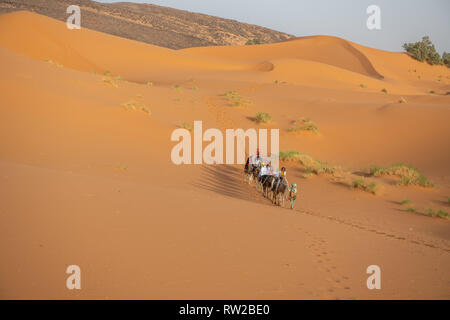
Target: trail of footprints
column 379, row 232
column 337, row 283
column 435, row 245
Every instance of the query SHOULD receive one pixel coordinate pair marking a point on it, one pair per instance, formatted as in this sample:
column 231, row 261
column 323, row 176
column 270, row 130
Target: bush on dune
column 136, row 106
column 408, row 174
column 303, row 124
column 446, row 58
column 440, row 213
column 363, row 185
column 443, row 214
column 311, row 165
column 262, row 117
column 309, row 127
column 235, row 99
column 289, row 155
column 424, row 50
column 187, row 126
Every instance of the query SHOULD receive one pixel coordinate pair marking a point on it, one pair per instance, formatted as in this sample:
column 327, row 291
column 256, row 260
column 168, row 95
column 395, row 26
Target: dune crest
column 40, row 37
column 324, row 49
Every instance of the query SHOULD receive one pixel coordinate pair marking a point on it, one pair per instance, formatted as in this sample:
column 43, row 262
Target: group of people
column 265, row 170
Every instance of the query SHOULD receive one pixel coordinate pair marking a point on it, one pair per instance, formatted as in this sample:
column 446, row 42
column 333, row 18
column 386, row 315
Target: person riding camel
column 283, row 176
column 263, row 173
column 258, row 159
column 293, row 194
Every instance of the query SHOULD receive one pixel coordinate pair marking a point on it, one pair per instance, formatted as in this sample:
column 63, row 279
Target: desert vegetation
column 425, row 51
column 303, row 124
column 253, row 41
column 408, row 174
column 364, row 185
column 187, row 126
column 312, row 166
column 262, row 117
column 235, row 99
column 135, row 106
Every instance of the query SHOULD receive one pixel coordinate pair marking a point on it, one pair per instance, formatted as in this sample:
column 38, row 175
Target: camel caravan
column 272, row 183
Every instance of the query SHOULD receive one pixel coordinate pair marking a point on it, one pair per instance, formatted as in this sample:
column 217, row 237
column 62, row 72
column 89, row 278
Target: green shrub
column 253, row 41
column 187, row 126
column 235, row 99
column 442, row 214
column 410, row 209
column 423, row 50
column 311, row 165
column 362, row 185
column 405, row 201
column 309, row 127
column 408, row 174
column 289, row 155
column 263, row 117
column 446, row 58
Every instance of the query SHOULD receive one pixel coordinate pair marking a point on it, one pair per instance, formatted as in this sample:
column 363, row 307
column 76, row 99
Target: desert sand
column 87, row 181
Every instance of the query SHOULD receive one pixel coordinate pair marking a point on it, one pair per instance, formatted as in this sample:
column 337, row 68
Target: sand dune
column 327, row 50
column 86, row 180
column 42, row 38
column 310, row 60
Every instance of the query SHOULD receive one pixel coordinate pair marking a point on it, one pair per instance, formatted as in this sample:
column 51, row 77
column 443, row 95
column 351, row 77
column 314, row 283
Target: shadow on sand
column 225, row 180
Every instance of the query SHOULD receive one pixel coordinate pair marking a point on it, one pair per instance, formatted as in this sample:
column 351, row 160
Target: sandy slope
column 84, row 181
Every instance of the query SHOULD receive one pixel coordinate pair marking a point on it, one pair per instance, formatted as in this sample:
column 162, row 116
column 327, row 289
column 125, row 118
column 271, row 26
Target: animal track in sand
column 378, row 232
column 322, row 257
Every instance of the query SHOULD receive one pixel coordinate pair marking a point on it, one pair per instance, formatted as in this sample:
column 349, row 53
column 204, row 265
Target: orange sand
column 86, row 182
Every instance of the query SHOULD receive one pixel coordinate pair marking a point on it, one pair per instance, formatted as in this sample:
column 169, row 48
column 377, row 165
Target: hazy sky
column 401, row 20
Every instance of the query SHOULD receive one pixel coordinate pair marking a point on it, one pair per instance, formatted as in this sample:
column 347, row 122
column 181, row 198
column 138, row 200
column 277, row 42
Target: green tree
column 423, row 50
column 446, row 58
